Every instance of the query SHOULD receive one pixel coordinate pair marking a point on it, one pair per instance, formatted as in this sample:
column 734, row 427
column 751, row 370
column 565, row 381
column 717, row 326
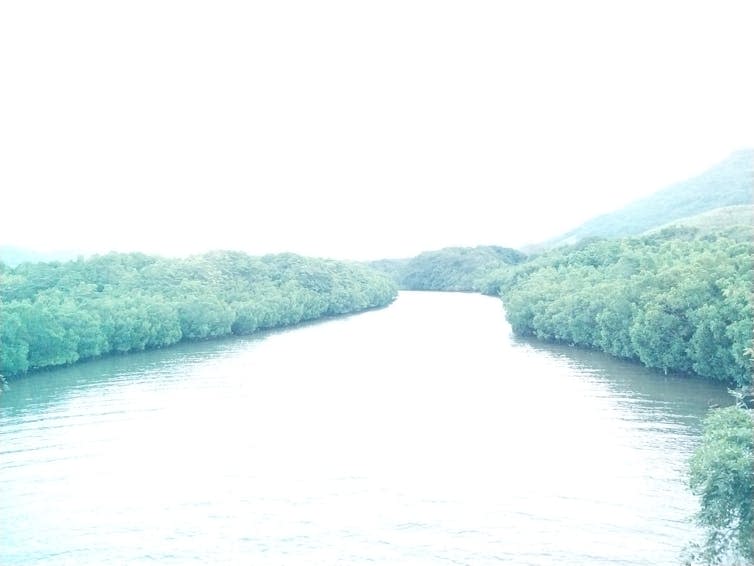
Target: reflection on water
column 416, row 434
column 670, row 396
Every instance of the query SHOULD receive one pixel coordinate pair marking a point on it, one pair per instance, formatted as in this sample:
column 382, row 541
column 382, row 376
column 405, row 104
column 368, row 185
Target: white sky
column 355, row 129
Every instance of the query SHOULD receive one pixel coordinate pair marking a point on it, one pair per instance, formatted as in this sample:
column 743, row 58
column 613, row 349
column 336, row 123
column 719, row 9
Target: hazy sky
column 355, row 129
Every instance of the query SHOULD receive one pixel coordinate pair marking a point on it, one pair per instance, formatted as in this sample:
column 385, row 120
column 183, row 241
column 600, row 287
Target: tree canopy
column 674, row 300
column 449, row 269
column 59, row 313
column 722, row 477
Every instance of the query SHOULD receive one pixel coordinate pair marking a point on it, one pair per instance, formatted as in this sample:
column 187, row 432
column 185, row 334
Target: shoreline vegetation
column 58, row 314
column 665, row 281
column 678, row 299
column 675, row 297
column 673, row 301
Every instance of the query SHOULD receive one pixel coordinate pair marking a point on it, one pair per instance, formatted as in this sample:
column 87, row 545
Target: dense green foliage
column 448, row 269
column 721, row 475
column 726, row 184
column 675, row 300
column 59, row 313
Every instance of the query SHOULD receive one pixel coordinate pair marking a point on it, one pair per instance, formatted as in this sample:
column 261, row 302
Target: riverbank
column 59, row 314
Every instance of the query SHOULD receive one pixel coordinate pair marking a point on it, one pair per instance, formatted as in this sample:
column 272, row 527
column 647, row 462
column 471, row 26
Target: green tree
column 14, row 341
column 721, row 475
column 205, row 317
column 163, row 323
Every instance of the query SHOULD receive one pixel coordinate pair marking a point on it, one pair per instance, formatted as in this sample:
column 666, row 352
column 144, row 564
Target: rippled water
column 423, row 433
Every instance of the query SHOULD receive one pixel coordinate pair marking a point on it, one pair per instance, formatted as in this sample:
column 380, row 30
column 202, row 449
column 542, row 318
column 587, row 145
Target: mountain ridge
column 728, row 183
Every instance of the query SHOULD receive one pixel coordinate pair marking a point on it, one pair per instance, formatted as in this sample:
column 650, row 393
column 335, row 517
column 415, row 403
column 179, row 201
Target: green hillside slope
column 728, row 183
column 736, row 222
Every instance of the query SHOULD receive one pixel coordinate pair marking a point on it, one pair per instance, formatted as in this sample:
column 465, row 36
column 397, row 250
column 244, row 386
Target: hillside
column 736, row 222
column 728, row 183
column 448, row 269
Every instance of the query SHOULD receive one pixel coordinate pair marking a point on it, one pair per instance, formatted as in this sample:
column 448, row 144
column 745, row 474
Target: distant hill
column 448, row 269
column 728, row 183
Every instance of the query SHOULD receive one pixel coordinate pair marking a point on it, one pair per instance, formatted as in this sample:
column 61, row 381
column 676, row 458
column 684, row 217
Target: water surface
column 423, row 433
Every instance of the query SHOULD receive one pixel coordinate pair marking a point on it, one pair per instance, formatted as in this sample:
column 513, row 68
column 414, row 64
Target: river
column 422, row 433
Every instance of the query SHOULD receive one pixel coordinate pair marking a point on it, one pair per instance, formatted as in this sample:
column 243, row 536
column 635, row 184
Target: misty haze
column 410, row 283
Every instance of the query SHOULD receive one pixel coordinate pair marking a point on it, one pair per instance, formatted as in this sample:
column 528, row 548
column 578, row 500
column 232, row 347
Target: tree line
column 60, row 313
column 448, row 269
column 673, row 300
